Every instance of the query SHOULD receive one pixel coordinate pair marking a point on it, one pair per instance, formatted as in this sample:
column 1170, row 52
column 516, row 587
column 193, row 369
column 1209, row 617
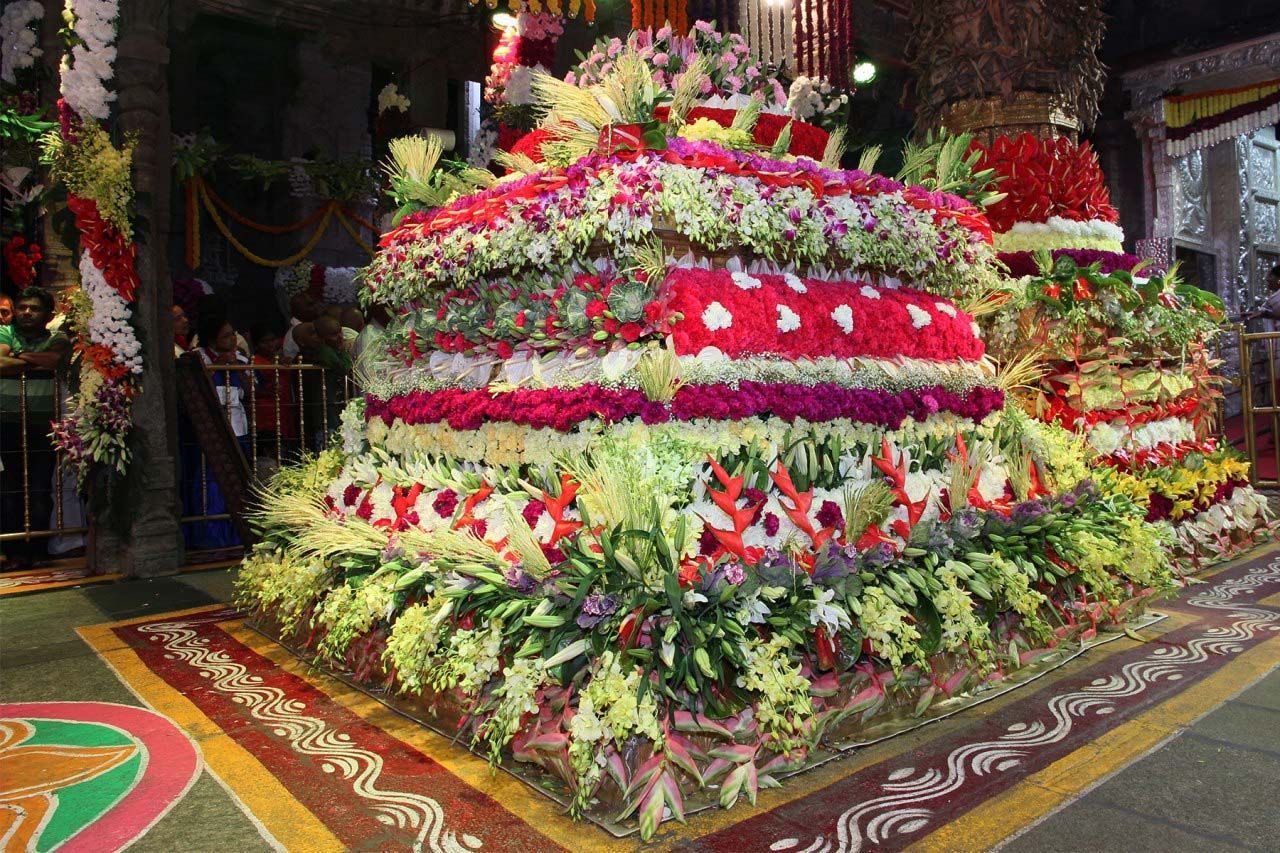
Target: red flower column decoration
column 1043, row 178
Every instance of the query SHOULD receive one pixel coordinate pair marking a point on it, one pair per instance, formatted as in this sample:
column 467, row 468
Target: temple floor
column 1168, row 743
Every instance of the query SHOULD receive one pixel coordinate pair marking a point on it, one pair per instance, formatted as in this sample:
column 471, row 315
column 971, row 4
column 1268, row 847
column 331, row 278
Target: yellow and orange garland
column 199, row 193
column 653, row 14
column 1206, row 118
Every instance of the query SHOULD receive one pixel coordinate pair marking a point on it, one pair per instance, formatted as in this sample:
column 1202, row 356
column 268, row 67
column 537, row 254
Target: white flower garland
column 89, row 66
column 1109, row 438
column 109, row 325
column 18, row 42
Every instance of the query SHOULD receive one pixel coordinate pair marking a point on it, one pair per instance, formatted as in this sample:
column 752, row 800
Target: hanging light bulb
column 504, row 20
column 864, row 72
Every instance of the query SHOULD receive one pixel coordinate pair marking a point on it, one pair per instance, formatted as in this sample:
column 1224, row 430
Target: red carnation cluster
column 830, row 318
column 1045, row 178
column 20, row 259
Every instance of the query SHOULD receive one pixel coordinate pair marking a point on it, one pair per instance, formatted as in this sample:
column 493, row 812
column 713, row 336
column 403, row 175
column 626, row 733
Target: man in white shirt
column 304, row 310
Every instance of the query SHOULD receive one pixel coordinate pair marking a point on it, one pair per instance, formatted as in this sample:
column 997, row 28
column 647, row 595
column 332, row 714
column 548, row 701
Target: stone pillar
column 152, row 543
column 999, row 68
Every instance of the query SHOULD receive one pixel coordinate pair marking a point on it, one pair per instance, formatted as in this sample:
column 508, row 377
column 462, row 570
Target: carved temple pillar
column 151, row 544
column 994, row 67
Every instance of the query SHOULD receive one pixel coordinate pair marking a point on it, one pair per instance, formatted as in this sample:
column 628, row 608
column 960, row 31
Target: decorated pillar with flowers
column 118, row 431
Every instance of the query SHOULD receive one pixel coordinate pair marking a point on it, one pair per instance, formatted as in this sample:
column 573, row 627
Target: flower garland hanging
column 99, row 195
column 522, row 50
column 19, row 45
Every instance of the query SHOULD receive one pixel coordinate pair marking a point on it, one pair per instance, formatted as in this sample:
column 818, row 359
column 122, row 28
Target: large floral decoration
column 682, row 460
column 96, row 173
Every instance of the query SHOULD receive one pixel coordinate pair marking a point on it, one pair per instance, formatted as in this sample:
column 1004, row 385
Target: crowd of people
column 31, row 395
column 277, row 405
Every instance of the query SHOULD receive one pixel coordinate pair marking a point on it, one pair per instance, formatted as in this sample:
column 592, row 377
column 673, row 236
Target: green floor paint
column 80, row 804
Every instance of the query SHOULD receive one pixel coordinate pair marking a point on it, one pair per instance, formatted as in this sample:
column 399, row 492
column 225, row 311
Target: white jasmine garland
column 109, row 325
column 18, row 42
column 745, row 281
column 946, row 308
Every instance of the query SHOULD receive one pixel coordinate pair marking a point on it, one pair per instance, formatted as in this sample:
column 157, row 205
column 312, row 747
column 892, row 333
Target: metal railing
column 333, row 389
column 1258, row 400
column 34, row 473
column 279, row 410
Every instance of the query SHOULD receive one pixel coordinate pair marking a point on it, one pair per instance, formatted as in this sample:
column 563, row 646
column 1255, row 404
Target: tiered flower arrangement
column 684, row 461
column 1124, row 359
column 96, row 174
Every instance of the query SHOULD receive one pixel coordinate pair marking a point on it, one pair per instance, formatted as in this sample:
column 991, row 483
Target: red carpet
column 1266, row 464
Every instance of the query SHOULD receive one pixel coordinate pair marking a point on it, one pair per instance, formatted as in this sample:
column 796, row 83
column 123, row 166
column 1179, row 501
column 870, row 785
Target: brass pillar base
column 1043, row 115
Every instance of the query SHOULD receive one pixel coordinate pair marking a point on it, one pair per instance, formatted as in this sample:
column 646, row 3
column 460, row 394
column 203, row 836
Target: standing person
column 333, row 353
column 1269, row 313
column 303, row 310
column 29, row 355
column 181, row 331
column 201, row 495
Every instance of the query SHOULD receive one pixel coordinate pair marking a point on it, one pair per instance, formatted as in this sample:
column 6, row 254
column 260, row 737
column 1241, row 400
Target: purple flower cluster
column 564, row 408
column 595, row 608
